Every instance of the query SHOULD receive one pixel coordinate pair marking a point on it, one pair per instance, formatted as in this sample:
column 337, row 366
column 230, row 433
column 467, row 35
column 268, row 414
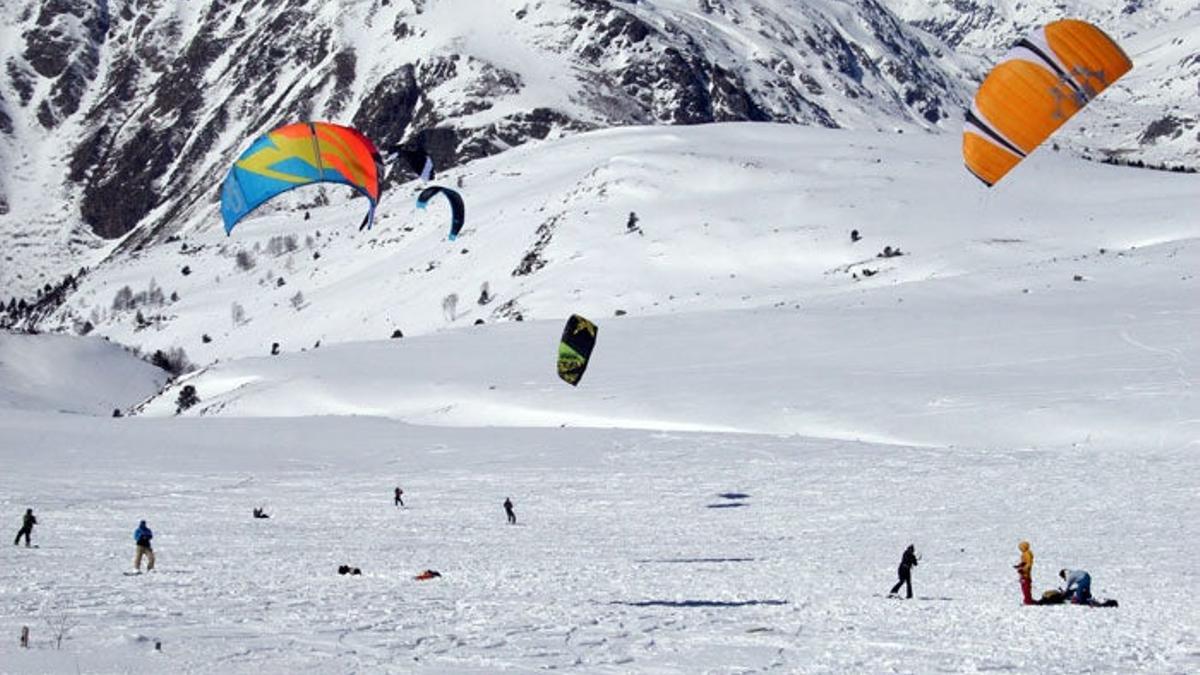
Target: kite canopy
column 296, row 155
column 578, row 339
column 457, row 208
column 1040, row 83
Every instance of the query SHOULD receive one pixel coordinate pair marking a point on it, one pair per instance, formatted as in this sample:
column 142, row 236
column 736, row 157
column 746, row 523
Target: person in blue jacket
column 1079, row 583
column 142, row 535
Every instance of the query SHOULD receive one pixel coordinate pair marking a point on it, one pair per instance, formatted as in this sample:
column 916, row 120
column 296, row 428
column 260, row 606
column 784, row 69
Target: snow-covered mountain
column 1152, row 114
column 126, row 113
column 646, row 220
column 778, row 414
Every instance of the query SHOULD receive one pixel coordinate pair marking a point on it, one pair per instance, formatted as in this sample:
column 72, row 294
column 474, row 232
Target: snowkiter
column 1079, row 585
column 399, row 499
column 142, row 535
column 27, row 524
column 508, row 510
column 1025, row 572
column 907, row 562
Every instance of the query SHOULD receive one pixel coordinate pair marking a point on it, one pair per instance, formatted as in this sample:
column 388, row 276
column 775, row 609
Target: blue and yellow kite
column 296, row 155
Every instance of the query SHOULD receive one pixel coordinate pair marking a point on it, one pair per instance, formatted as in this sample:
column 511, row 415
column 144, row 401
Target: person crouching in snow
column 907, row 562
column 142, row 535
column 1079, row 582
column 1025, row 571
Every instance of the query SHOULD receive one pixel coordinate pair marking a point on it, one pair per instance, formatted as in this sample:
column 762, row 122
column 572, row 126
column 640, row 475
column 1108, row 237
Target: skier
column 261, row 512
column 1079, row 582
column 27, row 524
column 398, row 501
column 854, row 236
column 1025, row 572
column 508, row 509
column 907, row 562
column 142, row 535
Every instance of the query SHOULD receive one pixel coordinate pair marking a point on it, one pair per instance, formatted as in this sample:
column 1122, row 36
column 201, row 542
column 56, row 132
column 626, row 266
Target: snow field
column 626, row 557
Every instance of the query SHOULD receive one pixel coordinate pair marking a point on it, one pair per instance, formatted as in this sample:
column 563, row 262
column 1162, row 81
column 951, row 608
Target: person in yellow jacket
column 1025, row 571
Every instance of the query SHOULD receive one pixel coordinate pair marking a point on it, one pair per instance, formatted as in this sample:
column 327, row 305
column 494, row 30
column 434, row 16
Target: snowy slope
column 123, row 113
column 634, row 551
column 82, row 376
column 974, row 364
column 732, row 216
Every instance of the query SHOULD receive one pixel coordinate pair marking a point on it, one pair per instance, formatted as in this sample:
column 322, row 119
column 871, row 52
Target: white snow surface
column 72, row 375
column 626, row 557
column 731, row 485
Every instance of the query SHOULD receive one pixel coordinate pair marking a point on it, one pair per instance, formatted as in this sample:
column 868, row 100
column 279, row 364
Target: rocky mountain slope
column 122, row 114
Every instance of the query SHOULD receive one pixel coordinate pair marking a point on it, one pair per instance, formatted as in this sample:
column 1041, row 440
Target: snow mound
column 87, row 376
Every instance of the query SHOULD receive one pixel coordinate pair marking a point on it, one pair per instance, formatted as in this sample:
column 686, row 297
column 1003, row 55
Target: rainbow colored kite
column 296, row 155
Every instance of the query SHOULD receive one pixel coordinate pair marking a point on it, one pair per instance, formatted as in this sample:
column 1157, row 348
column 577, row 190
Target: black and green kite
column 578, row 339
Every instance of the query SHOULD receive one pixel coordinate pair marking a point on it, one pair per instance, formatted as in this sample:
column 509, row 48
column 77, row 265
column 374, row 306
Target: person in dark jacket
column 142, row 535
column 27, row 524
column 399, row 497
column 907, row 562
column 508, row 510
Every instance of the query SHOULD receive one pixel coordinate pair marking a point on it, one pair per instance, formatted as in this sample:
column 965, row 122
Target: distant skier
column 1025, row 572
column 142, row 535
column 399, row 497
column 27, row 524
column 1079, row 583
column 508, row 509
column 854, row 236
column 907, row 562
column 260, row 512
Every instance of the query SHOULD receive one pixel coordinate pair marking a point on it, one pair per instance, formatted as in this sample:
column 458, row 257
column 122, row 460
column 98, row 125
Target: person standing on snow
column 142, row 535
column 907, row 562
column 398, row 500
column 27, row 524
column 1025, row 571
column 1079, row 582
column 508, row 509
